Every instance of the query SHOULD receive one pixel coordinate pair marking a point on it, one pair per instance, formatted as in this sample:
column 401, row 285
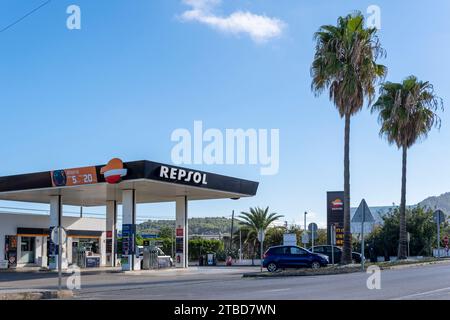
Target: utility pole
column 231, row 232
column 60, row 251
column 240, row 245
column 173, row 240
column 409, row 239
column 439, row 237
column 333, row 242
column 363, row 257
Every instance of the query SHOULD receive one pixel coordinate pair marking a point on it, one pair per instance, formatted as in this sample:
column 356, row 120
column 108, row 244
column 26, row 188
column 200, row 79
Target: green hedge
column 199, row 247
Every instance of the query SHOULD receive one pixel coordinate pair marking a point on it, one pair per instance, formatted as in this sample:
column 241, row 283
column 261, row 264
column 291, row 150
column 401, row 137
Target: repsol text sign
column 183, row 175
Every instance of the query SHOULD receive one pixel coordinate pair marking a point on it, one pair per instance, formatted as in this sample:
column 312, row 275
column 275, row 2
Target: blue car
column 283, row 257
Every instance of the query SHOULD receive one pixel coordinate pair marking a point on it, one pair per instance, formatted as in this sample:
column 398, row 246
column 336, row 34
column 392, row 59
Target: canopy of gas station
column 127, row 184
column 143, row 176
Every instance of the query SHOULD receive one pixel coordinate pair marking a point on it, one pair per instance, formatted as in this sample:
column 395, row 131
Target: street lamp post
column 305, row 227
column 305, row 219
column 240, row 246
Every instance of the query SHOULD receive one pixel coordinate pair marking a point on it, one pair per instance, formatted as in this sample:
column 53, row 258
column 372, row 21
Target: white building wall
column 9, row 222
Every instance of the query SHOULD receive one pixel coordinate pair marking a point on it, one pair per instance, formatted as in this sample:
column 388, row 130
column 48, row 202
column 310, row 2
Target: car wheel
column 272, row 267
column 315, row 265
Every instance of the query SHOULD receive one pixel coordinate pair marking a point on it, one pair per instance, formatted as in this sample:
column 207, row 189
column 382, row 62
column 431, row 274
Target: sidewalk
column 45, row 270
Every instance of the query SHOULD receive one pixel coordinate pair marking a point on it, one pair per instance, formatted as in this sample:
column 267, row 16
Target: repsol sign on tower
column 183, row 175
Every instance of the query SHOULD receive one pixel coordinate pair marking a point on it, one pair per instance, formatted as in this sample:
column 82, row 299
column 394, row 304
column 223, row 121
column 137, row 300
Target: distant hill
column 440, row 202
column 204, row 226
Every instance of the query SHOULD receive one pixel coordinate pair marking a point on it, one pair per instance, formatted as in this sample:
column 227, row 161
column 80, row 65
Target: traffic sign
column 149, row 236
column 439, row 216
column 312, row 227
column 55, row 235
column 363, row 214
column 305, row 238
column 333, row 235
column 261, row 235
column 289, row 239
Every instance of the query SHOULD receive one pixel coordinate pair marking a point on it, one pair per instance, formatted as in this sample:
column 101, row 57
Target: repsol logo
column 176, row 174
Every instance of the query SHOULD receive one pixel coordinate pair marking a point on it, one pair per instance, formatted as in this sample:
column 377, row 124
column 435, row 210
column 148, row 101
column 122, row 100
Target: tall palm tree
column 257, row 219
column 407, row 113
column 345, row 65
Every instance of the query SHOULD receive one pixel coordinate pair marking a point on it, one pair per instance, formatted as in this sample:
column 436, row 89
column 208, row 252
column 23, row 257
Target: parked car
column 283, row 257
column 326, row 250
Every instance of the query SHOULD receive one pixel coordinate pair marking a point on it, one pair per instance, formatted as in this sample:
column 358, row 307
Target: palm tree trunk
column 402, row 254
column 347, row 249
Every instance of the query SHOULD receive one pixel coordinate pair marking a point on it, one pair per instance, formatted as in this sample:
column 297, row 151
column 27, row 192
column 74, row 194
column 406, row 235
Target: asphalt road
column 424, row 282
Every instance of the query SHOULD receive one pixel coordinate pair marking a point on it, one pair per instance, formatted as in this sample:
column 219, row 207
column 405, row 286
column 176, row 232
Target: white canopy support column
column 41, row 251
column 56, row 221
column 111, row 233
column 181, row 233
column 129, row 259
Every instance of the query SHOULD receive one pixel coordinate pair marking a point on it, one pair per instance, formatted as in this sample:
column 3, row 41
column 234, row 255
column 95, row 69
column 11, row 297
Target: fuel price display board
column 74, row 177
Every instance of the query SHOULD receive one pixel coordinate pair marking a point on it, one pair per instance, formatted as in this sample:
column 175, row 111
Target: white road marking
column 423, row 294
column 278, row 290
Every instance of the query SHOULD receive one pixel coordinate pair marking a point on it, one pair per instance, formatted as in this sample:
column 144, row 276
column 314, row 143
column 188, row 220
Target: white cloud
column 259, row 27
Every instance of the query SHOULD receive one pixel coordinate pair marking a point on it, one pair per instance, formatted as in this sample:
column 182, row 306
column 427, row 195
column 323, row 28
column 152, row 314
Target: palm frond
column 407, row 111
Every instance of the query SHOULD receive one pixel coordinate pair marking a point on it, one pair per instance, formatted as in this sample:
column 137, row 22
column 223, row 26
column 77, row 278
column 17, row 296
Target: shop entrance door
column 78, row 254
column 27, row 249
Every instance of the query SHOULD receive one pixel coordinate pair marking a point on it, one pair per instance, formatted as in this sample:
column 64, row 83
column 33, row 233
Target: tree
column 257, row 219
column 166, row 232
column 321, row 237
column 345, row 64
column 274, row 236
column 407, row 113
column 420, row 224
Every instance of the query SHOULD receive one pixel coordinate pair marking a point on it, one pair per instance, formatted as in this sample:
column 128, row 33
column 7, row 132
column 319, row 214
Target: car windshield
column 319, row 249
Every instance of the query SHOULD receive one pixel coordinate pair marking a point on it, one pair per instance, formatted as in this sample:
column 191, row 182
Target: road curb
column 36, row 295
column 302, row 273
column 411, row 265
column 345, row 270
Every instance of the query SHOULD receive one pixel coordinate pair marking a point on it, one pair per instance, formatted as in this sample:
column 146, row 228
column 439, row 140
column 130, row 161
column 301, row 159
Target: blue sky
column 137, row 70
